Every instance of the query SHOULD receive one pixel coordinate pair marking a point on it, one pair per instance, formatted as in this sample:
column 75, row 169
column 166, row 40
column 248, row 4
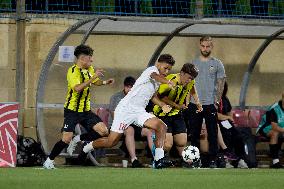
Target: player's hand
column 231, row 119
column 166, row 108
column 99, row 72
column 199, row 108
column 109, row 81
column 171, row 84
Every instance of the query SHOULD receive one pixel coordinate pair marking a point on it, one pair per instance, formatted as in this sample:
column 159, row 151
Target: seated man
column 133, row 132
column 272, row 126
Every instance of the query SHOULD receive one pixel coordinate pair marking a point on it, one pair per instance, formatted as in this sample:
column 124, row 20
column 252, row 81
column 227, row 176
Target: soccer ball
column 190, row 154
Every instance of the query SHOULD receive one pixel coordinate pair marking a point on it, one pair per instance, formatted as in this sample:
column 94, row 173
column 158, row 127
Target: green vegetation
column 5, row 4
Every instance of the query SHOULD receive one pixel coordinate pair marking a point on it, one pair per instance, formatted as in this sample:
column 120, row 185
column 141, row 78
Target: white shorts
column 122, row 119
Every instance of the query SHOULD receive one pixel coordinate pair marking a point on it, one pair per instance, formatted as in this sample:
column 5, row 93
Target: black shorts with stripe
column 86, row 119
column 175, row 123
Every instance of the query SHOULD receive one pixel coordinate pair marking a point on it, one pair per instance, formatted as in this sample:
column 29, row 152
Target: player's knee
column 129, row 131
column 168, row 146
column 66, row 140
column 147, row 132
column 104, row 133
column 100, row 128
column 111, row 143
column 162, row 127
column 67, row 137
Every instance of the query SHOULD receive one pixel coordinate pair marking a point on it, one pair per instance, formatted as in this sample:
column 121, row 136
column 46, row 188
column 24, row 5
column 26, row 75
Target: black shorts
column 86, row 119
column 138, row 133
column 175, row 123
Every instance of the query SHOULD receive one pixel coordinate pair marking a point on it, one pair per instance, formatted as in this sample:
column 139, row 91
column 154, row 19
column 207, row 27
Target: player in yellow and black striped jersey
column 80, row 77
column 176, row 98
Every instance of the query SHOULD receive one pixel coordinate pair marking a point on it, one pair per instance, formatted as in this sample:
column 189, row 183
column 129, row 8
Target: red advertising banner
column 8, row 134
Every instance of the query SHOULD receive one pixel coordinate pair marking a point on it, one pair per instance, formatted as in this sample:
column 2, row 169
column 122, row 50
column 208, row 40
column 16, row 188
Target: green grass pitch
column 113, row 178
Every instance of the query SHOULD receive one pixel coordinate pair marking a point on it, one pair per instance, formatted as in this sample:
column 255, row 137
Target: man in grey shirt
column 209, row 84
column 132, row 133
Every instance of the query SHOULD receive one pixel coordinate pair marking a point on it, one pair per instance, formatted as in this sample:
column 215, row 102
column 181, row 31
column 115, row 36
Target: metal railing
column 259, row 9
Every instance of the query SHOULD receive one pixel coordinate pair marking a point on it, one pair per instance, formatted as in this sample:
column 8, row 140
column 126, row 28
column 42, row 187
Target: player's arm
column 223, row 117
column 81, row 86
column 173, row 104
column 105, row 82
column 193, row 93
column 220, row 88
column 274, row 122
column 165, row 107
column 98, row 81
column 162, row 79
column 162, row 95
column 221, row 78
column 74, row 80
column 156, row 100
column 276, row 127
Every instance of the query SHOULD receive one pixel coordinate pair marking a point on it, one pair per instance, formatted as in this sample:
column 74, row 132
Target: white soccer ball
column 190, row 154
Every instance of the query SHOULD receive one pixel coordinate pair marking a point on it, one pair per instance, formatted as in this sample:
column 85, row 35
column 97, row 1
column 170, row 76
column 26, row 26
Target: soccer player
column 81, row 76
column 131, row 110
column 272, row 127
column 176, row 98
column 132, row 133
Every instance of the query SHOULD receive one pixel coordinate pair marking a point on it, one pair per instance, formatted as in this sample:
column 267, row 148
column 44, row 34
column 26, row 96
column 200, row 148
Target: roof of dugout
column 231, row 28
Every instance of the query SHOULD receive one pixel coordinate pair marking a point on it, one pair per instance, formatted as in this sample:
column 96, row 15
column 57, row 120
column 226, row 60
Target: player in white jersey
column 131, row 110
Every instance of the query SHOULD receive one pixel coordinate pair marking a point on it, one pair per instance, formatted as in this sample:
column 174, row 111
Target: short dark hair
column 167, row 58
column 190, row 69
column 83, row 49
column 205, row 38
column 129, row 81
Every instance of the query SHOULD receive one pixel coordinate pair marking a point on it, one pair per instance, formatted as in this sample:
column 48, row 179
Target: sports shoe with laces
column 72, row 145
column 48, row 164
column 136, row 164
column 212, row 164
column 220, row 162
column 242, row 164
column 229, row 166
column 162, row 163
column 276, row 166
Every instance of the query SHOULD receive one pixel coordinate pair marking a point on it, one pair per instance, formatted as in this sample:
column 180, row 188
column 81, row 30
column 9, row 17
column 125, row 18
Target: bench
column 249, row 118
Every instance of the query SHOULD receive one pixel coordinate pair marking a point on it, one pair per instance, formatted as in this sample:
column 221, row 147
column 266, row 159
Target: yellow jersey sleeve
column 164, row 89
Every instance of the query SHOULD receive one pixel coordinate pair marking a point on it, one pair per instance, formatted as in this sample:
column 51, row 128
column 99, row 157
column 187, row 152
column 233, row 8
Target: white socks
column 132, row 159
column 275, row 161
column 76, row 139
column 159, row 154
column 89, row 147
column 48, row 159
